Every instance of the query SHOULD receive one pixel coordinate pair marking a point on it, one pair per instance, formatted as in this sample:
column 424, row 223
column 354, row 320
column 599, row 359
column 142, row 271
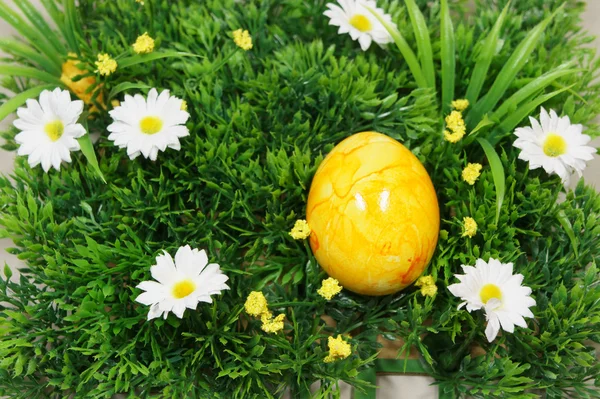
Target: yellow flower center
column 490, row 291
column 151, row 125
column 54, row 130
column 183, row 289
column 554, row 145
column 361, row 23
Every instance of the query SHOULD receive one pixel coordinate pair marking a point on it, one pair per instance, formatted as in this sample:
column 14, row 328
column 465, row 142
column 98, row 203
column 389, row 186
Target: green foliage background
column 260, row 125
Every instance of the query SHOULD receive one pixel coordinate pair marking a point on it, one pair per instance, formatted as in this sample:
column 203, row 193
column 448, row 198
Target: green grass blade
column 484, row 60
column 29, row 72
column 405, row 50
column 87, row 149
column 56, row 15
column 512, row 121
column 448, row 55
column 510, row 70
column 126, row 86
column 531, row 88
column 38, row 21
column 59, row 19
column 485, row 122
column 16, row 101
column 568, row 227
column 423, row 41
column 481, row 126
column 138, row 59
column 35, row 38
column 497, row 174
column 570, row 90
column 71, row 27
column 18, row 49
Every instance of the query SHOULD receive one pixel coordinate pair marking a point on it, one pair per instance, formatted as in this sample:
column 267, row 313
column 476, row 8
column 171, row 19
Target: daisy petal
column 154, row 312
column 492, row 329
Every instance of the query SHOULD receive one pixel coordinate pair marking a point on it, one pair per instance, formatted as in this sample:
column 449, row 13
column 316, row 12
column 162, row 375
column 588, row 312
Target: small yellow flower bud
column 272, row 325
column 471, row 173
column 256, row 304
column 460, row 105
column 301, row 230
column 456, row 126
column 105, row 64
column 329, row 288
column 242, row 39
column 427, row 284
column 453, row 137
column 144, row 44
column 469, row 226
column 338, row 349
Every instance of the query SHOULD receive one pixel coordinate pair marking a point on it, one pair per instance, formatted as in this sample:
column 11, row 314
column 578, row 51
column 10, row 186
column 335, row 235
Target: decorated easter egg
column 374, row 215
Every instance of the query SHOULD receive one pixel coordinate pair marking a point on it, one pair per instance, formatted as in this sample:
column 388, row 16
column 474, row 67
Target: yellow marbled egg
column 374, row 215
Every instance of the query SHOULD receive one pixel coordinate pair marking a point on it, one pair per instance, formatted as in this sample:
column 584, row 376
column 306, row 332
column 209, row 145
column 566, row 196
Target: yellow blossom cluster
column 427, row 284
column 455, row 126
column 329, row 288
column 471, row 173
column 469, row 227
column 338, row 349
column 242, row 39
column 256, row 305
column 270, row 324
column 301, row 230
column 144, row 44
column 105, row 64
column 184, row 106
column 460, row 105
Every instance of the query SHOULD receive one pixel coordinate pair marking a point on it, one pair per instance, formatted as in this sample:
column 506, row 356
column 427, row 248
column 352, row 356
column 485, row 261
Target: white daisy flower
column 146, row 126
column 49, row 129
column 554, row 144
column 493, row 288
column 354, row 17
column 182, row 283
